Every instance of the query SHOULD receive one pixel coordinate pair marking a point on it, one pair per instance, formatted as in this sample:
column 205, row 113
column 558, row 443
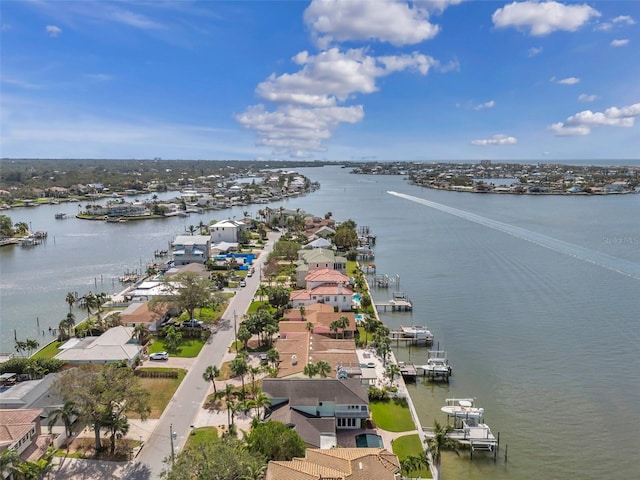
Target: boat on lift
column 463, row 408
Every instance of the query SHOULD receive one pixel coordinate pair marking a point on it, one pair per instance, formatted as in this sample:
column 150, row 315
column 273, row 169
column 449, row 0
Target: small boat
column 60, row 216
column 462, row 408
column 437, row 365
column 417, row 331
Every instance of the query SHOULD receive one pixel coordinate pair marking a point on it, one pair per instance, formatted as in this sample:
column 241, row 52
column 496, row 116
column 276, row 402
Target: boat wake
column 617, row 265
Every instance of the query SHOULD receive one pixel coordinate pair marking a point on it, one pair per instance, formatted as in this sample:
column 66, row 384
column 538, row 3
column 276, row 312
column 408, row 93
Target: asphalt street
column 183, row 408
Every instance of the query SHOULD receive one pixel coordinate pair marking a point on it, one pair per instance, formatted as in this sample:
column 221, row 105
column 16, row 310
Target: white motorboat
column 437, row 366
column 418, row 332
column 462, row 408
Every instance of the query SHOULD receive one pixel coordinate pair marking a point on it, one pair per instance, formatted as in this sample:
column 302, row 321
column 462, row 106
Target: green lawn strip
column 161, row 389
column 49, row 351
column 352, row 268
column 189, row 347
column 392, row 416
column 201, row 436
column 410, row 445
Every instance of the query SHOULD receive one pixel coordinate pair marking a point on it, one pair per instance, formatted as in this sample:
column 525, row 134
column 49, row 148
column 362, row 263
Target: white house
column 226, row 231
column 114, row 345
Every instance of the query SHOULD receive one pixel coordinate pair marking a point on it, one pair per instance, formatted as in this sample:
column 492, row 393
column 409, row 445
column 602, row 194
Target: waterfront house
column 320, row 315
column 298, row 347
column 139, row 313
column 315, row 259
column 317, row 407
column 226, row 231
column 338, row 464
column 191, row 249
column 115, row 345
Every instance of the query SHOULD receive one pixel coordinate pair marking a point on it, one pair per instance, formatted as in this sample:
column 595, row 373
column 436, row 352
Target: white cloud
column 390, row 21
column 498, row 139
column 534, row 51
column 489, row 104
column 566, row 81
column 309, row 101
column 543, row 18
column 581, row 122
column 53, row 31
column 583, row 97
column 297, row 131
column 626, row 19
column 620, row 42
column 333, row 76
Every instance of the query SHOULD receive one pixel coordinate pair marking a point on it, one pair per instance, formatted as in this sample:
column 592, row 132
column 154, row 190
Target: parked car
column 263, row 358
column 243, row 283
column 193, row 323
column 159, row 356
column 250, row 274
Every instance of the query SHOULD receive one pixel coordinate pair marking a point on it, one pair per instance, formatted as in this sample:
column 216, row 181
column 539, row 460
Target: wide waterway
column 535, row 299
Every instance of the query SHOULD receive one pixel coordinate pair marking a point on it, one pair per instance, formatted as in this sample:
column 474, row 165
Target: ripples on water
column 546, row 341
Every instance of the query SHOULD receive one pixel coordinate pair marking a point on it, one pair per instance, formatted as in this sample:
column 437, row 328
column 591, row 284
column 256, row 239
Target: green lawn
column 49, row 351
column 161, row 389
column 410, row 445
column 201, row 435
column 189, row 347
column 392, row 416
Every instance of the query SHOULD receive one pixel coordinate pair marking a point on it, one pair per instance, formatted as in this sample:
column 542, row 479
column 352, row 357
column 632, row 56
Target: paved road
column 188, row 399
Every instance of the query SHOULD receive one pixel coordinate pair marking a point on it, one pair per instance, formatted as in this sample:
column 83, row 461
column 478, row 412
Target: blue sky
column 330, row 79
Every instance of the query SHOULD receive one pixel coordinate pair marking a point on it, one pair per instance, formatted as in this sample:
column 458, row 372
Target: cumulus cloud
column 309, row 102
column 392, row 21
column 53, row 31
column 583, row 97
column 620, row 42
column 566, row 81
column 498, row 139
column 581, row 122
column 619, row 22
column 297, row 131
column 489, row 104
column 534, row 51
column 543, row 18
column 624, row 19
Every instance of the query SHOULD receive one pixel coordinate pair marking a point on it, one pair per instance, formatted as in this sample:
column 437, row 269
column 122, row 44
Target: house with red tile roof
column 20, row 430
column 338, row 464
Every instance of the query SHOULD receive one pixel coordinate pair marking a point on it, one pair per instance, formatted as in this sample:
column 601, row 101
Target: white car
column 243, row 283
column 159, row 356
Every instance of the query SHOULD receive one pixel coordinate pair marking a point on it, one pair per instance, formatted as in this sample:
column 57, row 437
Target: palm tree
column 334, row 327
column 141, row 333
column 440, row 442
column 343, row 323
column 117, row 425
column 392, row 372
column 192, row 229
column 239, row 368
column 413, row 464
column 311, row 370
column 262, row 401
column 273, row 357
column 323, row 368
column 71, row 299
column 67, row 412
column 309, row 327
column 88, row 302
column 210, row 374
column 226, row 394
column 369, row 324
column 302, row 312
column 67, row 324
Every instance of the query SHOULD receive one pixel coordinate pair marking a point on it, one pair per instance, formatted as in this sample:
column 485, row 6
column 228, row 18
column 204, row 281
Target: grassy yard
column 392, row 416
column 49, row 351
column 410, row 445
column 201, row 435
column 189, row 347
column 161, row 389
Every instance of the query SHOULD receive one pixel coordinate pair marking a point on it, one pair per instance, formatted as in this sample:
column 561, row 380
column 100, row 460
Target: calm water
column 535, row 299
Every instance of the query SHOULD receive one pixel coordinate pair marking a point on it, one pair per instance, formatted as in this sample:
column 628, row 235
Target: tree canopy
column 102, row 395
column 275, row 441
column 189, row 291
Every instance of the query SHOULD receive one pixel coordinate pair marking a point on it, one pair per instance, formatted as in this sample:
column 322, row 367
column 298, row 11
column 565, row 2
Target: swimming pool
column 359, row 318
column 369, row 440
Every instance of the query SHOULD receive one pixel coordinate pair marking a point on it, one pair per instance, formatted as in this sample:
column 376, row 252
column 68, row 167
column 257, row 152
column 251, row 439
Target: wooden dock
column 398, row 336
